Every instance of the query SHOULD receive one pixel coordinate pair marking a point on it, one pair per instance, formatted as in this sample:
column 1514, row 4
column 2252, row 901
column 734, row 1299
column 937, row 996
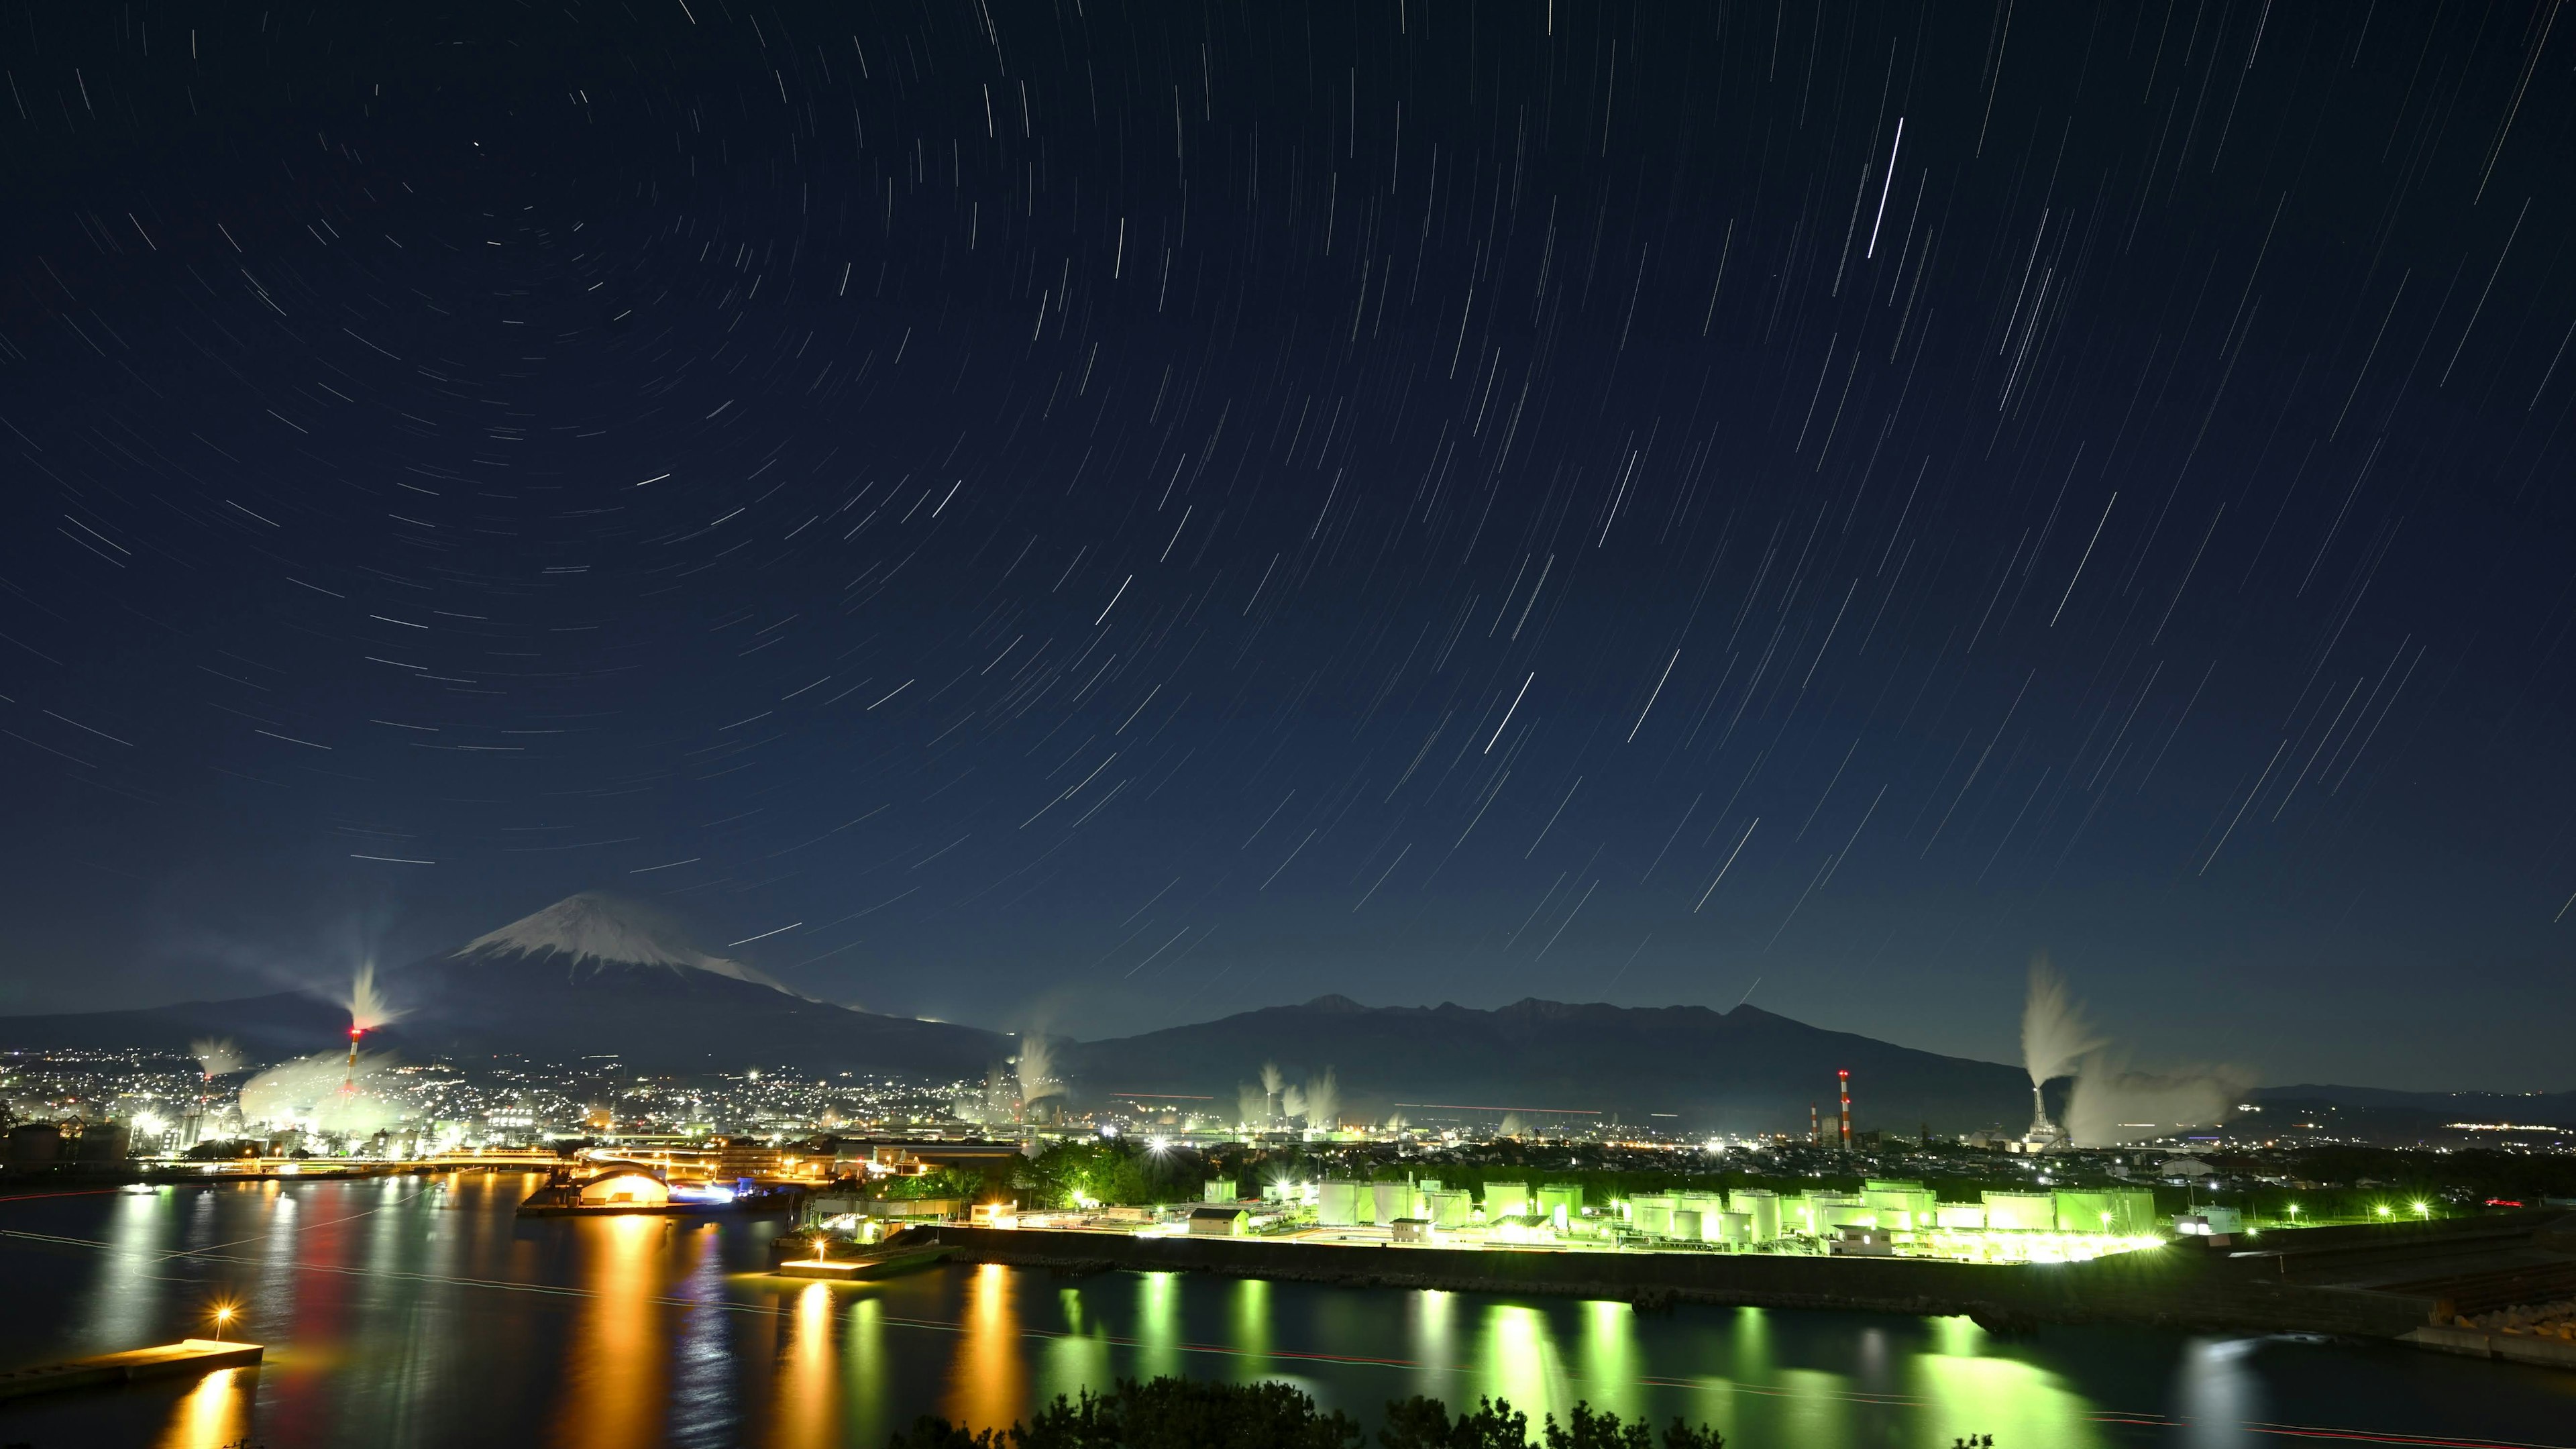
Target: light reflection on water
column 809, row 1399
column 215, row 1413
column 703, row 1410
column 987, row 1381
column 613, row 1377
column 397, row 1315
column 2216, row 1388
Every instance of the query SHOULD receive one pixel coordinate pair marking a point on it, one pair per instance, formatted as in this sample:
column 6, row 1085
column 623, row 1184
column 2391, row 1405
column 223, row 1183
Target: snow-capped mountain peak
column 595, row 926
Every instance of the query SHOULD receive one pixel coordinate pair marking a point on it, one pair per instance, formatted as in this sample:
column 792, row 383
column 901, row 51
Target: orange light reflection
column 809, row 1398
column 215, row 1413
column 988, row 1382
column 613, row 1375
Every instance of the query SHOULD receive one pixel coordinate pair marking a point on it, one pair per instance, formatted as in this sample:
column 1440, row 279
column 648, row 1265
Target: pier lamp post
column 223, row 1316
column 2424, row 1211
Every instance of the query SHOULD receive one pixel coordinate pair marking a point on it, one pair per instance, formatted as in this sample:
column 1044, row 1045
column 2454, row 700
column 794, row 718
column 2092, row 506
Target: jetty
column 107, row 1370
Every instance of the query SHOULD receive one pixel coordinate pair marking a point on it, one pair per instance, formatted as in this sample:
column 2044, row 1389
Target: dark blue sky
column 1101, row 515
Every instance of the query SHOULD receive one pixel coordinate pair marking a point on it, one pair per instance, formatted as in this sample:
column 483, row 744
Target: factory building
column 1506, row 1200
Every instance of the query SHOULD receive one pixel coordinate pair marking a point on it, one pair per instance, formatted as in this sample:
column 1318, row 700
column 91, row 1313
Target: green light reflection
column 2018, row 1403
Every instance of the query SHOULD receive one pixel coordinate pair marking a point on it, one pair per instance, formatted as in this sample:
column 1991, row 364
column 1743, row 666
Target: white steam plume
column 1037, row 1068
column 1323, row 1102
column 2112, row 1104
column 2054, row 1034
column 1292, row 1101
column 1271, row 1079
column 1252, row 1106
column 320, row 1093
column 216, row 1056
column 367, row 1008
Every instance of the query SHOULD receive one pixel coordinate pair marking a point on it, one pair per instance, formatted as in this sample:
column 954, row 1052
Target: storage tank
column 1761, row 1209
column 1391, row 1200
column 2083, row 1212
column 1218, row 1189
column 1561, row 1202
column 1506, row 1200
column 1686, row 1225
column 1900, row 1204
column 1966, row 1215
column 1836, row 1215
column 1707, row 1204
column 1337, row 1204
column 1726, row 1227
column 1447, row 1207
column 1652, row 1216
column 2029, row 1212
column 1812, row 1211
column 2133, row 1211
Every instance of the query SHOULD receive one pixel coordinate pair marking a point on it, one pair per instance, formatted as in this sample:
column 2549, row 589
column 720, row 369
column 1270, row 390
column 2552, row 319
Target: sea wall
column 2176, row 1287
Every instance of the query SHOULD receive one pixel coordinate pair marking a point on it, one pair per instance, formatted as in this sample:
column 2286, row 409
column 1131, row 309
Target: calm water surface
column 419, row 1311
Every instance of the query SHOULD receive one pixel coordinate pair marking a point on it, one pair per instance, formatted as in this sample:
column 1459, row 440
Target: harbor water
column 422, row 1311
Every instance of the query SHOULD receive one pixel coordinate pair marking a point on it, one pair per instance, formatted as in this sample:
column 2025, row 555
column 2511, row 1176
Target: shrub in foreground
column 1173, row 1413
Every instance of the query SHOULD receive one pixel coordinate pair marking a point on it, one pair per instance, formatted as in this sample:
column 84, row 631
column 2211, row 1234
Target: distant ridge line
column 1471, row 1107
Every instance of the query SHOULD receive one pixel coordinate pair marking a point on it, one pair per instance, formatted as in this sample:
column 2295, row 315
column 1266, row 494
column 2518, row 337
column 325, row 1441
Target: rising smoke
column 367, row 1008
column 993, row 1103
column 1323, row 1102
column 216, row 1056
column 2054, row 1034
column 1037, row 1076
column 1252, row 1105
column 321, row 1093
column 2110, row 1102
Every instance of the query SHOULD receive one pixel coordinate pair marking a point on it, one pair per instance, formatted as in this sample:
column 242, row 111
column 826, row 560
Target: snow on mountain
column 596, row 926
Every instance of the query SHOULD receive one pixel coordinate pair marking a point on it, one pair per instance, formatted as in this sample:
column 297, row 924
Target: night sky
column 1100, row 515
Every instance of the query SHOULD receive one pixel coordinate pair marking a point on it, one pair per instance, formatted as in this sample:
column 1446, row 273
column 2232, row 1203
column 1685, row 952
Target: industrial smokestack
column 1843, row 1080
column 1815, row 1127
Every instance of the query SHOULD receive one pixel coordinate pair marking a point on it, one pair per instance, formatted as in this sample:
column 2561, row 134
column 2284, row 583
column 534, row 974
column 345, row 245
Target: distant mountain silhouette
column 1744, row 1070
column 2544, row 1109
column 587, row 976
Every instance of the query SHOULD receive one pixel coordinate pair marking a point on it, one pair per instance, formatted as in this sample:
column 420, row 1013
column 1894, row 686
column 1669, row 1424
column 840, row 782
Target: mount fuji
column 589, row 976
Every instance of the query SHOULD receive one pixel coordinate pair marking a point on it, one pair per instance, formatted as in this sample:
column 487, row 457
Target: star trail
column 1094, row 515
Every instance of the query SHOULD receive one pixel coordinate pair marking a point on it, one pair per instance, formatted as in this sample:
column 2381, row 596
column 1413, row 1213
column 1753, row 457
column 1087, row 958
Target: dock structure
column 107, row 1370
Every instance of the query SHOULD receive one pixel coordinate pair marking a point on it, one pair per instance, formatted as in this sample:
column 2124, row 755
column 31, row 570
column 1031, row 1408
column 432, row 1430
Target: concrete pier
column 169, row 1360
